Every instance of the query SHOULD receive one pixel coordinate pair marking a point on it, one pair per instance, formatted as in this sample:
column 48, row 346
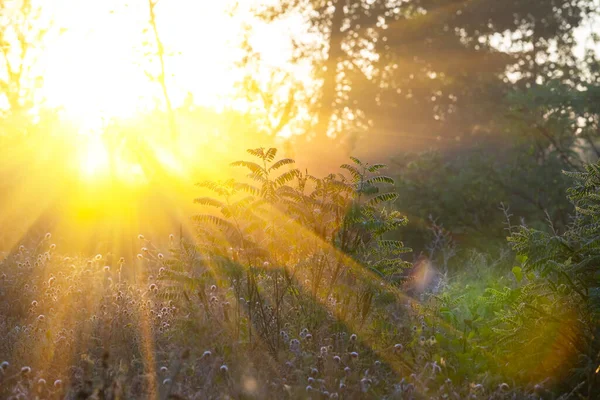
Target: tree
column 422, row 69
column 22, row 33
column 161, row 77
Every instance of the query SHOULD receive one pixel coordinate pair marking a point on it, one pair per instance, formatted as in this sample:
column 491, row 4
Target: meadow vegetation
column 320, row 199
column 293, row 288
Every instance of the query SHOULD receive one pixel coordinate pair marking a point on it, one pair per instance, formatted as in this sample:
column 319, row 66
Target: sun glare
column 94, row 157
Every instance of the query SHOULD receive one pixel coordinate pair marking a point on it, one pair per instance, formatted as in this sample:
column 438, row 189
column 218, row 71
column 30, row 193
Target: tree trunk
column 328, row 90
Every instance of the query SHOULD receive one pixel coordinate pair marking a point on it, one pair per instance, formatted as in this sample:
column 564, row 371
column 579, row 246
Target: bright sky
column 97, row 65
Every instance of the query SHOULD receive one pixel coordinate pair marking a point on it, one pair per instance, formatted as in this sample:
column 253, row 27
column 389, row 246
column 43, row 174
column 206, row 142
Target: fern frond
column 356, row 175
column 259, row 152
column 212, row 219
column 209, row 201
column 253, row 167
column 270, row 154
column 216, row 187
column 286, row 177
column 381, row 198
column 379, row 179
column 356, row 161
column 281, row 163
column 376, row 167
column 247, row 188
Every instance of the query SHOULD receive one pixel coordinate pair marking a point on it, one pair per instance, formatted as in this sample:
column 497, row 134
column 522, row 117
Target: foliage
column 293, row 289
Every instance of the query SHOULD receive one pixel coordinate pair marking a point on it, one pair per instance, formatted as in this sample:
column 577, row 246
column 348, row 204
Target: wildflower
column 347, row 370
column 323, row 351
column 48, row 236
column 398, row 347
column 224, row 369
column 314, row 372
column 295, row 345
column 52, row 246
column 334, row 395
column 503, row 387
column 364, row 385
column 171, row 236
column 311, row 380
column 377, row 363
column 141, row 237
column 4, row 366
column 139, row 256
column 41, row 318
column 308, row 336
column 160, row 256
column 106, row 268
column 422, row 341
column 58, row 383
column 51, row 281
column 153, row 287
column 25, row 370
column 166, row 381
column 41, row 382
column 309, row 388
column 206, row 354
column 21, row 248
column 354, row 355
column 98, row 257
column 213, row 288
column 34, row 303
column 163, row 369
column 342, row 386
column 478, row 388
column 161, row 270
column 414, row 329
column 266, row 264
column 337, row 359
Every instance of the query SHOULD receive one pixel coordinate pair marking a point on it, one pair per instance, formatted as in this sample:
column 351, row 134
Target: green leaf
column 379, row 179
column 518, row 273
column 244, row 187
column 286, row 177
column 281, row 163
column 376, row 167
column 254, row 167
column 260, row 152
column 270, row 154
column 356, row 161
column 208, row 201
column 384, row 197
column 353, row 171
